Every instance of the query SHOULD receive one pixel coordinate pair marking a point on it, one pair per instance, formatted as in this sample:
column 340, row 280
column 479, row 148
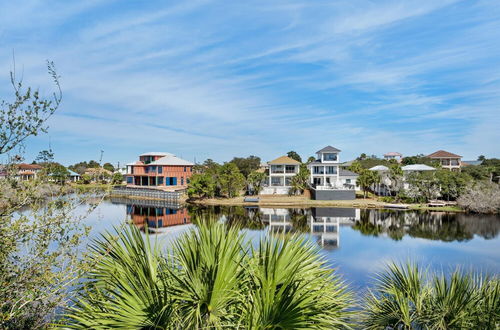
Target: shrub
column 481, row 198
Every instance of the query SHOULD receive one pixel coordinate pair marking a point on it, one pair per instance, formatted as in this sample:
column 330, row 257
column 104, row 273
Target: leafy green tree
column 255, row 181
column 109, row 167
column 423, row 186
column 481, row 158
column 452, row 184
column 366, row 180
column 293, row 155
column 246, row 165
column 117, row 178
column 202, row 186
column 39, row 236
column 363, row 156
column 231, row 180
column 356, row 167
column 45, row 156
column 311, row 159
column 420, row 159
column 59, row 173
column 396, row 177
column 86, row 178
column 300, row 181
column 26, row 115
column 212, row 279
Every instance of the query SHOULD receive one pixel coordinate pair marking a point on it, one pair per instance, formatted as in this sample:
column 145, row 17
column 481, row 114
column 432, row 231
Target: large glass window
column 318, row 169
column 276, row 181
column 288, row 181
column 277, row 169
column 290, row 169
column 160, row 180
column 130, row 179
column 330, row 157
column 160, row 169
column 331, row 170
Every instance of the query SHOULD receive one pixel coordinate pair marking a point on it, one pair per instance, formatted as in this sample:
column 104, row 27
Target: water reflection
column 441, row 226
column 323, row 224
column 154, row 215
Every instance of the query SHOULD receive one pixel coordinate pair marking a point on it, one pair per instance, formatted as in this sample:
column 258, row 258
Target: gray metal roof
column 328, row 149
column 344, row 172
column 379, row 168
column 417, row 167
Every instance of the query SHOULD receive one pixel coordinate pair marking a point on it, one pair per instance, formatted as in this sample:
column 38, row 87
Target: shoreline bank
column 304, row 202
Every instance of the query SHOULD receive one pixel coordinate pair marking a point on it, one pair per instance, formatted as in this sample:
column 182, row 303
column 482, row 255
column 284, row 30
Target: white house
column 393, row 155
column 327, row 173
column 281, row 172
column 383, row 188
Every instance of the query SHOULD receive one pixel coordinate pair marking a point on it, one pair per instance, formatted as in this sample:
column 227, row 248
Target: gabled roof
column 379, row 168
column 443, row 154
column 417, row 167
column 170, row 159
column 284, row 160
column 71, row 173
column 24, row 166
column 328, row 149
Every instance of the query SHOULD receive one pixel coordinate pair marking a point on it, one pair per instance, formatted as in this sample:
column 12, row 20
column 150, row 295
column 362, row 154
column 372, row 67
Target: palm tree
column 212, row 278
column 404, row 297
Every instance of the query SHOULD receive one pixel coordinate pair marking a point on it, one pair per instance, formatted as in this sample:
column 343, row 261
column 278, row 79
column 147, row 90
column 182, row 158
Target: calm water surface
column 356, row 242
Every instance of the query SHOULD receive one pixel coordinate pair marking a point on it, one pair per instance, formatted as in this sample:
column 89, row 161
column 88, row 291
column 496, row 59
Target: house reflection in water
column 155, row 215
column 322, row 223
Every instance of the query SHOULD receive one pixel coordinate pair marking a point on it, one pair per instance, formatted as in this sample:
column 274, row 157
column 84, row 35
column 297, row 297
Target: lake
column 356, row 242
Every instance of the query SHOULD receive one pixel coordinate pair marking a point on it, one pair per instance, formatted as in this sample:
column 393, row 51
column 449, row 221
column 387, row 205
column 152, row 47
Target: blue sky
column 217, row 79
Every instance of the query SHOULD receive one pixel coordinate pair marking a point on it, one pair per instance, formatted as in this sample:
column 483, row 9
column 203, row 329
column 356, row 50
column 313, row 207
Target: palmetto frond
column 291, row 288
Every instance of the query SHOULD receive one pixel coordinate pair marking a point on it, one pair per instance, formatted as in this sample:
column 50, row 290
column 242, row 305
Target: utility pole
column 100, row 165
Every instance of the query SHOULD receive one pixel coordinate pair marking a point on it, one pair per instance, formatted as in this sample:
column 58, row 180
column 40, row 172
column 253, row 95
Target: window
column 146, row 169
column 182, row 180
column 331, row 170
column 318, row 169
column 130, row 179
column 160, row 169
column 276, row 181
column 288, row 181
column 290, row 169
column 330, row 157
column 277, row 168
column 347, row 180
column 160, row 180
column 184, row 168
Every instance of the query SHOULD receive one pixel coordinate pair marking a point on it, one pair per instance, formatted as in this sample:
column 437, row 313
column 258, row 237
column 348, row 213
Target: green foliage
column 356, row 167
column 82, row 166
column 404, row 297
column 45, row 156
column 311, row 159
column 59, row 173
column 109, row 167
column 212, row 279
column 293, row 155
column 25, row 116
column 452, row 184
column 255, row 181
column 246, row 165
column 423, row 186
column 201, row 186
column 86, row 178
column 420, row 159
column 366, row 180
column 231, row 180
column 117, row 178
column 300, row 181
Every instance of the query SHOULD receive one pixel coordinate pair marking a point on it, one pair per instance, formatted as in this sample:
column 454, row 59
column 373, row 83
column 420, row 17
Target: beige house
column 448, row 160
column 281, row 172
